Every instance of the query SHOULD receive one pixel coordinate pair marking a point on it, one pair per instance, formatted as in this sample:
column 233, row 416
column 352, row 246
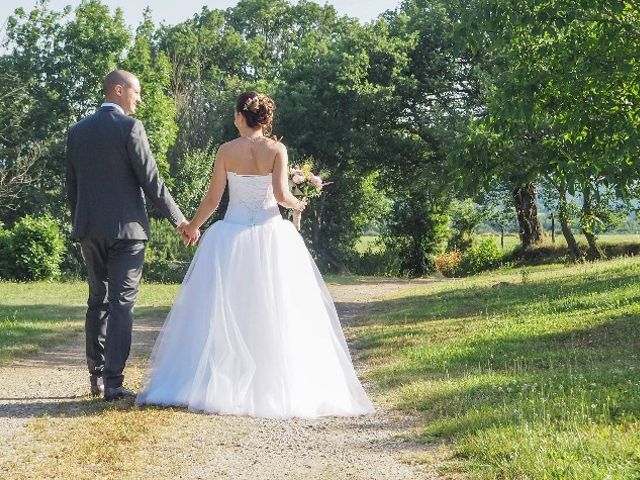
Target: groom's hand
column 190, row 235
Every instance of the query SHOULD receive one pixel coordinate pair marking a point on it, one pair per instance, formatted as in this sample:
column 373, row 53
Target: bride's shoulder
column 230, row 144
column 276, row 145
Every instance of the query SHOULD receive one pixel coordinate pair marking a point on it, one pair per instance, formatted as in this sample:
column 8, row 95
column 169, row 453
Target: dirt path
column 53, row 385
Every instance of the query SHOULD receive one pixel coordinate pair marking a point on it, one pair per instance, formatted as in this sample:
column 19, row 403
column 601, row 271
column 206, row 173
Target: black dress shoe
column 111, row 394
column 97, row 386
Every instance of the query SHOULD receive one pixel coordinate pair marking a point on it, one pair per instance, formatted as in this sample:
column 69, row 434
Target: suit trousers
column 114, row 270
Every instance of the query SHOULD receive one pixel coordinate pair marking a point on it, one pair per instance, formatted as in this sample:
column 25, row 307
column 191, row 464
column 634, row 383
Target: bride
column 253, row 330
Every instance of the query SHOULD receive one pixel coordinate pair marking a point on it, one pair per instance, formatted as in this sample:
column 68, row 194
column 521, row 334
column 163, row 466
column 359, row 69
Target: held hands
column 190, row 234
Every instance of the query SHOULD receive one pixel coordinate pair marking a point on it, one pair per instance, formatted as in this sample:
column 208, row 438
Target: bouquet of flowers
column 304, row 184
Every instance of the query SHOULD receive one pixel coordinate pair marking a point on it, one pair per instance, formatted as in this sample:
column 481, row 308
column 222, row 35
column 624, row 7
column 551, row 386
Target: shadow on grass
column 607, row 345
column 463, row 382
column 26, row 330
column 472, row 301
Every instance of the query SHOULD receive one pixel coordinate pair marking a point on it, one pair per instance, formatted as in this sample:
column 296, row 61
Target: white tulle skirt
column 254, row 331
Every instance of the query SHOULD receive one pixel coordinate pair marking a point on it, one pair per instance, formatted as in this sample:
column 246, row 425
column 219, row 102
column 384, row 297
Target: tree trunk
column 565, row 222
column 337, row 265
column 527, row 212
column 314, row 223
column 594, row 252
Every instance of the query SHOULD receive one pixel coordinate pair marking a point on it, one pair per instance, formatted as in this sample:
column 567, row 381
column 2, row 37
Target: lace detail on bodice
column 251, row 199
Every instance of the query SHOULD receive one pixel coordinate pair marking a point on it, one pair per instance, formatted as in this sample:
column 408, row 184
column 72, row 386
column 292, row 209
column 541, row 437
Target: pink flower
column 297, row 179
column 317, row 181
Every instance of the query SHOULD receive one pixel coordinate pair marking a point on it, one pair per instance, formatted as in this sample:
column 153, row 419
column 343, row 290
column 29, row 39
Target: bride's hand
column 302, row 204
column 190, row 235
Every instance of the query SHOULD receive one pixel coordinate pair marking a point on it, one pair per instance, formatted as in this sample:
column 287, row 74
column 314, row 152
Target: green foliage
column 483, row 254
column 192, row 173
column 36, row 249
column 412, row 102
column 416, row 228
column 55, row 62
column 552, row 126
column 165, row 244
column 465, row 217
column 158, row 110
column 166, row 258
column 375, row 259
column 5, row 253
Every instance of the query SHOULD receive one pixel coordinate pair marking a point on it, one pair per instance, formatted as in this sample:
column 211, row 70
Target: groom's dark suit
column 110, row 168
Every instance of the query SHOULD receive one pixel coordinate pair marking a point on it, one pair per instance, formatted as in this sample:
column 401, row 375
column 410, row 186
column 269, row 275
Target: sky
column 172, row 12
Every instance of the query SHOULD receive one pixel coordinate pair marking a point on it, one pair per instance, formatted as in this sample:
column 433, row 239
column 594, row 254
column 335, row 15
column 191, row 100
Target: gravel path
column 54, row 384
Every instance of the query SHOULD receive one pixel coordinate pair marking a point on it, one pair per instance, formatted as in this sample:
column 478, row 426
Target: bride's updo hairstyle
column 257, row 109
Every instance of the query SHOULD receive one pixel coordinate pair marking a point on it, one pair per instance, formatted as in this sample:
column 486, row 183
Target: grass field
column 34, row 315
column 529, row 373
column 511, row 241
column 524, row 373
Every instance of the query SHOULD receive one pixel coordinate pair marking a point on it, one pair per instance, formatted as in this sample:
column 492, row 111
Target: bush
column 163, row 271
column 73, row 265
column 36, row 249
column 449, row 263
column 192, row 173
column 166, row 258
column 382, row 262
column 482, row 255
column 5, row 254
column 165, row 244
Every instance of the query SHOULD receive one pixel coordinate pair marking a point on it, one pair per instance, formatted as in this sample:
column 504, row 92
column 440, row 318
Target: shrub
column 36, row 248
column 382, row 262
column 449, row 263
column 165, row 244
column 163, row 271
column 5, row 254
column 192, row 173
column 482, row 255
column 166, row 258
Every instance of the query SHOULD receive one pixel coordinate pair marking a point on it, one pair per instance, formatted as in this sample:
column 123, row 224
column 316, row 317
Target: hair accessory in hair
column 252, row 104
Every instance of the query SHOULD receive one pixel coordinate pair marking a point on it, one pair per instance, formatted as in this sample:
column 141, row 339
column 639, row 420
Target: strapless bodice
column 251, row 200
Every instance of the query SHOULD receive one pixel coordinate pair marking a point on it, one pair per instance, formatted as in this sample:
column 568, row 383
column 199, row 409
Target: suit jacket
column 110, row 168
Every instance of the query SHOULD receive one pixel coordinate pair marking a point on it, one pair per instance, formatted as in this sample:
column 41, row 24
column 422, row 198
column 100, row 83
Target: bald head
column 123, row 88
column 117, row 77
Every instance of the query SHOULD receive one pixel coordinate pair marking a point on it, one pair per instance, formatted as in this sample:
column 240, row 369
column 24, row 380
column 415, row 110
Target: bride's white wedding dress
column 253, row 330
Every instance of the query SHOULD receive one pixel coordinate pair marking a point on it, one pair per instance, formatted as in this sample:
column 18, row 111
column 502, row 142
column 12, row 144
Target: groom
column 110, row 169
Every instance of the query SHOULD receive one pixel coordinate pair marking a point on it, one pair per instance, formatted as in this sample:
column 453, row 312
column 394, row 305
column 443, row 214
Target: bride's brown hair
column 257, row 109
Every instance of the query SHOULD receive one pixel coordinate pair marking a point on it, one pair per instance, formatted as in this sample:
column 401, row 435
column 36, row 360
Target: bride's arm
column 211, row 200
column 280, row 180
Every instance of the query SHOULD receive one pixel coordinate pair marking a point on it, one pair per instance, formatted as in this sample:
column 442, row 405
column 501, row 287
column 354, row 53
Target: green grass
column 527, row 373
column 368, row 242
column 38, row 315
column 512, row 241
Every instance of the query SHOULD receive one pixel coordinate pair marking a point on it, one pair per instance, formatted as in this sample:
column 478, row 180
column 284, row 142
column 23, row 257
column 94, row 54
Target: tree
column 58, row 66
column 569, row 73
column 337, row 106
column 158, row 110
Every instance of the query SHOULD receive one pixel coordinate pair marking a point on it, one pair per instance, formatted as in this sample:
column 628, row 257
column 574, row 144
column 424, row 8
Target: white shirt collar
column 113, row 105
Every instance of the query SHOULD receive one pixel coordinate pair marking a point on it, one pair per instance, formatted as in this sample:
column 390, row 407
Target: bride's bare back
column 256, row 155
column 251, row 156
